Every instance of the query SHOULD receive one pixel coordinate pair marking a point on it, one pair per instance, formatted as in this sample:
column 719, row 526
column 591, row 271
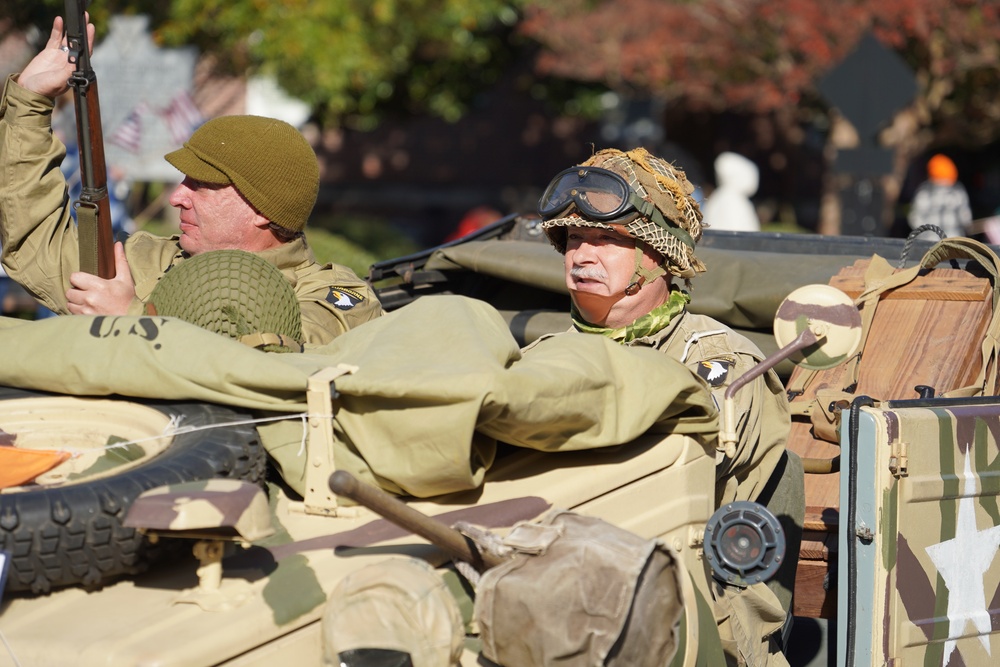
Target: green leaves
column 355, row 61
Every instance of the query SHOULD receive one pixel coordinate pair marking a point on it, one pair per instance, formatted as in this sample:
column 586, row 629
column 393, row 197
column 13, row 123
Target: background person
column 250, row 184
column 942, row 200
column 627, row 225
column 729, row 206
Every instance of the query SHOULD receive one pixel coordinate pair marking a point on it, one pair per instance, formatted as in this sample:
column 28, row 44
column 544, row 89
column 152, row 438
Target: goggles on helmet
column 601, row 195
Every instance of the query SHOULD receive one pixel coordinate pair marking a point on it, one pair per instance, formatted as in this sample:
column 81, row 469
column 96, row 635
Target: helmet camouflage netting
column 658, row 182
column 234, row 293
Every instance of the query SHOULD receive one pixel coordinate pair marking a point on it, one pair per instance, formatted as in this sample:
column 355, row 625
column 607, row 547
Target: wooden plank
column 941, row 285
column 817, row 545
column 812, row 599
column 820, row 517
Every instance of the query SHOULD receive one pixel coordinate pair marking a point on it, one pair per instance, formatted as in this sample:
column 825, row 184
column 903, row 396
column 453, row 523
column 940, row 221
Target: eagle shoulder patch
column 714, row 371
column 343, row 299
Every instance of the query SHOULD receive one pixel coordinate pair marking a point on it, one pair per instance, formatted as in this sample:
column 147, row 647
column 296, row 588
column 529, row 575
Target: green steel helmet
column 234, row 293
column 633, row 193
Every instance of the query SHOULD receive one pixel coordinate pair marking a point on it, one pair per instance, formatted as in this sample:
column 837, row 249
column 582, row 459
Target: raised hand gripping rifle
column 93, row 209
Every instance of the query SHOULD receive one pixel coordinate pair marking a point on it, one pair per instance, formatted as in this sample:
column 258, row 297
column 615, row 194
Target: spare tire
column 66, row 529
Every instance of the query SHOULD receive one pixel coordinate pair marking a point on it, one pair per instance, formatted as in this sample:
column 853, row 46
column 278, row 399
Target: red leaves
column 755, row 54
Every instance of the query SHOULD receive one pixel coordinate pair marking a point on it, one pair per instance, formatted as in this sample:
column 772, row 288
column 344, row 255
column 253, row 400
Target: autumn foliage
column 760, row 56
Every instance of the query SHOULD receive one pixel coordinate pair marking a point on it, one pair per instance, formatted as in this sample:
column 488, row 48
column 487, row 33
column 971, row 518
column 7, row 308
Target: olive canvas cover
column 435, row 386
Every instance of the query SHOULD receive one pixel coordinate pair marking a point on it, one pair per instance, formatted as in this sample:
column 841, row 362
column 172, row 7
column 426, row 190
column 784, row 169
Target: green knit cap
column 234, row 293
column 267, row 160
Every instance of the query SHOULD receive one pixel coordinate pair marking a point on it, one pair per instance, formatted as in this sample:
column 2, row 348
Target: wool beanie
column 267, row 160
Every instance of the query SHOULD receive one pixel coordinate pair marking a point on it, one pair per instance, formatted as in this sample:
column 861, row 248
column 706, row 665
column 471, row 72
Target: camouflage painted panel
column 218, row 508
column 938, row 574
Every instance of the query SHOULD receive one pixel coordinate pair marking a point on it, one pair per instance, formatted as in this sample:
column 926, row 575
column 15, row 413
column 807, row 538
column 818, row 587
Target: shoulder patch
column 714, row 371
column 344, row 299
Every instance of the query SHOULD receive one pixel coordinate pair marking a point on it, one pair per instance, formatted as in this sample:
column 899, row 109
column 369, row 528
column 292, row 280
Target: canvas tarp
column 742, row 289
column 437, row 384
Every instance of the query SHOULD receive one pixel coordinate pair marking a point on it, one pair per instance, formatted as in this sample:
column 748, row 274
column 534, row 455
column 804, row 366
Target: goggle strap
column 647, row 209
column 671, row 229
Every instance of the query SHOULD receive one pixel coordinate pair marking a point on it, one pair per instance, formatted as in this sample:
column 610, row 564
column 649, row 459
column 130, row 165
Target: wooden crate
column 928, row 332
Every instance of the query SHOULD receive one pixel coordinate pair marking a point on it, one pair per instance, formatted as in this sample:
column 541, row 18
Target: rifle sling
column 86, row 215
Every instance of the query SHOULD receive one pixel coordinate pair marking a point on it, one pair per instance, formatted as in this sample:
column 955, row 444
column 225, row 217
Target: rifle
column 93, row 209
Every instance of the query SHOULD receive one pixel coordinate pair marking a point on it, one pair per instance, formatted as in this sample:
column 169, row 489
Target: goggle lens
column 597, row 193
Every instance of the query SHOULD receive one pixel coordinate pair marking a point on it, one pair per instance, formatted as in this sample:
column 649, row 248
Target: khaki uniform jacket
column 748, row 618
column 41, row 249
column 719, row 355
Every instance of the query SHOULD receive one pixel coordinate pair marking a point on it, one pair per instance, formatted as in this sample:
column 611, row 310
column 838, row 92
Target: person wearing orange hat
column 941, row 200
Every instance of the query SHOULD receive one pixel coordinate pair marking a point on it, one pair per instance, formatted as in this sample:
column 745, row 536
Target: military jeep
column 134, row 551
column 899, row 447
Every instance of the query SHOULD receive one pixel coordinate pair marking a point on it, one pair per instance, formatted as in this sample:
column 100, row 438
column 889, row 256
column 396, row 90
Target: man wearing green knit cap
column 250, row 183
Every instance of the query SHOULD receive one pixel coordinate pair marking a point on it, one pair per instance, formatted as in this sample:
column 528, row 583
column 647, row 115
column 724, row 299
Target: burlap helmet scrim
column 658, row 182
column 234, row 293
column 267, row 160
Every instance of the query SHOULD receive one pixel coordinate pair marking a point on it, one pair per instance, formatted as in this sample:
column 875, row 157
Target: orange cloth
column 20, row 466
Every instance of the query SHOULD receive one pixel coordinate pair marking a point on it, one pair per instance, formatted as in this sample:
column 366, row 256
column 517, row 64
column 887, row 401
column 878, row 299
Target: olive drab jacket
column 749, row 618
column 41, row 250
column 719, row 355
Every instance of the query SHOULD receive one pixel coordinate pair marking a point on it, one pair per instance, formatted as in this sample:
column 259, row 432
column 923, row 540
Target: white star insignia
column 962, row 561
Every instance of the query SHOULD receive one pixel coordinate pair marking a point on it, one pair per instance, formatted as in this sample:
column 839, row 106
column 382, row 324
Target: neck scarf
column 650, row 323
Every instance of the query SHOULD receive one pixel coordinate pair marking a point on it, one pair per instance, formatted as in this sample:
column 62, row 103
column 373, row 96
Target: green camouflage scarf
column 648, row 324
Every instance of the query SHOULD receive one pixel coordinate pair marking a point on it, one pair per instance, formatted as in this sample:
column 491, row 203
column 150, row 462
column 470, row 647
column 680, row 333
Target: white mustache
column 588, row 273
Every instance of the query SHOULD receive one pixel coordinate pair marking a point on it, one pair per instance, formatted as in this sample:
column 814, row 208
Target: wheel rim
column 104, row 437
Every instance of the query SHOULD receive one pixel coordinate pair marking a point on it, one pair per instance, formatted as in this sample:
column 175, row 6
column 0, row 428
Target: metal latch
column 898, row 458
column 320, row 394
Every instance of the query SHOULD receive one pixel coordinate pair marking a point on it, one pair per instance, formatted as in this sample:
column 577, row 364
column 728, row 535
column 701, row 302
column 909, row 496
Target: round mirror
column 830, row 314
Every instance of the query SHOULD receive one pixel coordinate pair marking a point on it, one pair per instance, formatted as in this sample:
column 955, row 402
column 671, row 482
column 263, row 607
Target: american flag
column 182, row 117
column 128, row 135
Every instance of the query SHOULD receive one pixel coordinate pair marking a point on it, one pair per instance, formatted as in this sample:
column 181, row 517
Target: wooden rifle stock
column 93, row 209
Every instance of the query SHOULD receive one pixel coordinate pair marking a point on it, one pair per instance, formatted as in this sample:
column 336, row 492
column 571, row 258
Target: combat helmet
column 650, row 201
column 234, row 293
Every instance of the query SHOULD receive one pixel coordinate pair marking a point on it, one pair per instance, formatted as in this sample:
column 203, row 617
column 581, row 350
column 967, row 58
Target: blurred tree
column 351, row 60
column 357, row 59
column 765, row 56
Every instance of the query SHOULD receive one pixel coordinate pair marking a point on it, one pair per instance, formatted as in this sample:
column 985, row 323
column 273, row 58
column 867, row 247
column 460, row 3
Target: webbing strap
column 958, row 248
column 86, row 215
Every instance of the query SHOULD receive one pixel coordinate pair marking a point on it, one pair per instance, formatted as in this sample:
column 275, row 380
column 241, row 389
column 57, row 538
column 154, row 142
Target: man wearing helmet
column 627, row 225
